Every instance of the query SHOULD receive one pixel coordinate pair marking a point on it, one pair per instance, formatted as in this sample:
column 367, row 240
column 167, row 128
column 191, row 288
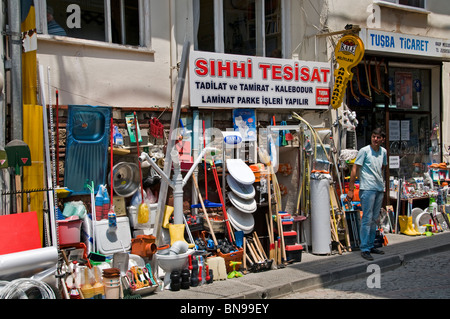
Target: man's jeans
column 371, row 202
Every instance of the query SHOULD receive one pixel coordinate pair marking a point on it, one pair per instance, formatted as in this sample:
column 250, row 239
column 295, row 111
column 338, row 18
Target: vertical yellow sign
column 349, row 52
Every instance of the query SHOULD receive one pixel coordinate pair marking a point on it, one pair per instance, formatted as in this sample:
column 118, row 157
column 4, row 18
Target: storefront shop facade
column 400, row 85
column 403, row 94
column 181, row 71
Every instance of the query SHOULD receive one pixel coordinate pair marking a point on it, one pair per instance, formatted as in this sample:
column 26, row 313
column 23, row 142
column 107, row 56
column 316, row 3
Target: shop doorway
column 403, row 98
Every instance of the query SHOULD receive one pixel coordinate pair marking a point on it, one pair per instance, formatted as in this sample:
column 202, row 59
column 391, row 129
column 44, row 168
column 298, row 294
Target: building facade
column 126, row 54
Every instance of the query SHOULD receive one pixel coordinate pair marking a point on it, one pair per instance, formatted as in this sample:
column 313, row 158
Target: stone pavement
column 313, row 271
column 422, row 278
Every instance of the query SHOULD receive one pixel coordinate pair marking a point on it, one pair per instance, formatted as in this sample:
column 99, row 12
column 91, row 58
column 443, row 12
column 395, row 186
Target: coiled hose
column 24, row 288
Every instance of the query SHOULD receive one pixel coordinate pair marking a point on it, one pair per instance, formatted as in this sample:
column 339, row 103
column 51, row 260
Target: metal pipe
column 196, row 162
column 122, row 22
column 14, row 20
column 108, row 24
column 171, row 142
column 145, row 157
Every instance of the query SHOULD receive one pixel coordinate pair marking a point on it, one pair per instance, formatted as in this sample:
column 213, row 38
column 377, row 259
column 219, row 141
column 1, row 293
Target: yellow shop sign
column 348, row 53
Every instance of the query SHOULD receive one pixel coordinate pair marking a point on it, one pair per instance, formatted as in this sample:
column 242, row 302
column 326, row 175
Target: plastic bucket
column 69, row 231
column 112, row 292
column 111, row 282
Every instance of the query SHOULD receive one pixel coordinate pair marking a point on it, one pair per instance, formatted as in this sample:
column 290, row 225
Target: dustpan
column 3, row 158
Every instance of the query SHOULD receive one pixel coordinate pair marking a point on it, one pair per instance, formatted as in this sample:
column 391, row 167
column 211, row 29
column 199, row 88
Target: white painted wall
column 95, row 73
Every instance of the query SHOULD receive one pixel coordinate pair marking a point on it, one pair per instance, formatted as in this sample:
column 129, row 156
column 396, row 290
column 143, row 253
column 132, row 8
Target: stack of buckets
column 111, row 283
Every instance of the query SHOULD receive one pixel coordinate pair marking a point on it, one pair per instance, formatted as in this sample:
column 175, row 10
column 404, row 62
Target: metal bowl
column 125, row 179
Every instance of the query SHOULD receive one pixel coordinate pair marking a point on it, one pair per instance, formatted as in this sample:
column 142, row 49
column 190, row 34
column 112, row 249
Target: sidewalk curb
column 359, row 270
column 316, row 272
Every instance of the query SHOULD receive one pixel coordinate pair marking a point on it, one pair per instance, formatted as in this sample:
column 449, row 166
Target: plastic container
column 290, row 237
column 132, row 214
column 117, row 137
column 69, row 230
column 109, row 243
column 112, row 219
column 287, row 224
column 355, row 191
column 294, row 252
column 106, row 203
column 99, row 205
column 112, row 291
column 284, row 215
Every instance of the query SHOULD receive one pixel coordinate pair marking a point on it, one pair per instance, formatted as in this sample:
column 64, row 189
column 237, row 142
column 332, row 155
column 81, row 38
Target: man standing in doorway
column 369, row 166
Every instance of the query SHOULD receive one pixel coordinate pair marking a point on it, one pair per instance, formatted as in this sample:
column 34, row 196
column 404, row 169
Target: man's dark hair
column 378, row 131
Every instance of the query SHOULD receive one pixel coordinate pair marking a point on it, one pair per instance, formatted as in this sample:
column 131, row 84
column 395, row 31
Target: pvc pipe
column 320, row 216
column 28, row 260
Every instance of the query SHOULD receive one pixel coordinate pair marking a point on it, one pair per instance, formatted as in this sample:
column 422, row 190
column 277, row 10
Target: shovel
column 19, row 155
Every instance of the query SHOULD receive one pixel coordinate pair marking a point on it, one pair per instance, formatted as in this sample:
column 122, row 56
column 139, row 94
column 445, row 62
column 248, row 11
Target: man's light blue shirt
column 371, row 172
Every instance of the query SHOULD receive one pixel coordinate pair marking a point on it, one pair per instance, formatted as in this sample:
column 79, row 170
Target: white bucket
column 112, row 292
column 111, row 282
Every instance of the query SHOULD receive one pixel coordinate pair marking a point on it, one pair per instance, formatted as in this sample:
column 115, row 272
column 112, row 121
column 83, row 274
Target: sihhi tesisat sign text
column 235, row 81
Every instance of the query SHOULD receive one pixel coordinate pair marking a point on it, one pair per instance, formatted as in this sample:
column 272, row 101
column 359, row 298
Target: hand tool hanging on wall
column 356, row 97
column 369, row 68
column 358, row 80
column 366, row 72
column 380, row 85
